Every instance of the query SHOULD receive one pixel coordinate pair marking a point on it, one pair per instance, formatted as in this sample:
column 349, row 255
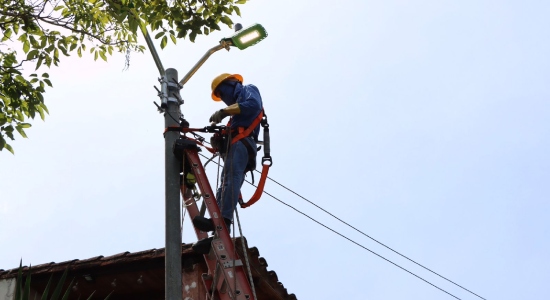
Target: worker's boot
column 206, row 224
column 203, row 246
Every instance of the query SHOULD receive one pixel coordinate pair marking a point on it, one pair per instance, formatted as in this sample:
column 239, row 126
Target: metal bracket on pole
column 170, row 92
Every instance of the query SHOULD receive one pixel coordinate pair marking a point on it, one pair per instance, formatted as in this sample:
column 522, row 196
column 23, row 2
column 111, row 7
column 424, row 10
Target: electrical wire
column 352, row 241
column 356, row 243
column 361, row 232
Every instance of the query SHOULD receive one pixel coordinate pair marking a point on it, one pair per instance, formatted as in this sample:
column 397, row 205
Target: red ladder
column 226, row 278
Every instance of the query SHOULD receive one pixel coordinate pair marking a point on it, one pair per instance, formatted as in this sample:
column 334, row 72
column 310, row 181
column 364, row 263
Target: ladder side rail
column 193, row 210
column 226, row 246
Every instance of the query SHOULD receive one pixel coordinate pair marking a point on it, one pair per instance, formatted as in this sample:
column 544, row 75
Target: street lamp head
column 247, row 37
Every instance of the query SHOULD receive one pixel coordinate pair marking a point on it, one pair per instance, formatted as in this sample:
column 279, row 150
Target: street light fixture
column 248, row 37
column 242, row 39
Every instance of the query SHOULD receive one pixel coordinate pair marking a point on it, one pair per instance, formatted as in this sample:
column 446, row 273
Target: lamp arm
column 153, row 50
column 223, row 44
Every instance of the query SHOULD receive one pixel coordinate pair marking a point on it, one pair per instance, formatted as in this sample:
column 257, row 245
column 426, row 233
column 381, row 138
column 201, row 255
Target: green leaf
column 241, row 2
column 44, row 107
column 64, row 51
column 41, row 112
column 7, row 34
column 108, row 296
column 57, row 291
column 226, row 20
column 10, row 149
column 20, row 271
column 43, row 41
column 25, row 125
column 237, row 10
column 79, row 52
column 67, row 292
column 103, row 56
column 22, row 38
column 173, row 38
column 158, row 35
column 89, row 298
column 20, row 130
column 27, row 288
column 32, row 54
column 45, row 75
column 47, row 289
column 19, row 116
column 39, row 62
column 96, row 55
column 34, row 42
column 10, row 135
column 163, row 42
column 26, row 46
column 48, row 82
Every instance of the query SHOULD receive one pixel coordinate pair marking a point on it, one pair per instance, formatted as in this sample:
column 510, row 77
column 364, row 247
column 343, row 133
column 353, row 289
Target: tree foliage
column 23, row 290
column 37, row 33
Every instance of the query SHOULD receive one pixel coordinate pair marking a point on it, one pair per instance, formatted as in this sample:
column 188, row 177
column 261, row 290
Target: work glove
column 218, row 116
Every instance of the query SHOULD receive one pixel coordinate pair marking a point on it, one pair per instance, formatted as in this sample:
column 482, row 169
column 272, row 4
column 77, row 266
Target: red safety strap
column 259, row 189
column 211, row 150
column 244, row 133
column 177, row 128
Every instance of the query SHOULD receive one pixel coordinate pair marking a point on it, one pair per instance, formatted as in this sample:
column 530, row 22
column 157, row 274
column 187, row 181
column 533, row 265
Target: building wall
column 7, row 289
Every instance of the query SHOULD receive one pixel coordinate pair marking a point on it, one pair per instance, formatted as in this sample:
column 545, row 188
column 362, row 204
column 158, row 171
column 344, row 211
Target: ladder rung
column 232, row 263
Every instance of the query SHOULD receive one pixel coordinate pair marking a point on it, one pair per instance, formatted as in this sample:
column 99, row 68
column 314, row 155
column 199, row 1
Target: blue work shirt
column 250, row 103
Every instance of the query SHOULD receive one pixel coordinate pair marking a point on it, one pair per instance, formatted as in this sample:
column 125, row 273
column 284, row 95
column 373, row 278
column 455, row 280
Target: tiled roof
column 266, row 281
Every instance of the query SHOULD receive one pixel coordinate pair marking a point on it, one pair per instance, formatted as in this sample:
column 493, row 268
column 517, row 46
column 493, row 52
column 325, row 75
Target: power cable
column 402, row 255
column 368, row 236
column 354, row 242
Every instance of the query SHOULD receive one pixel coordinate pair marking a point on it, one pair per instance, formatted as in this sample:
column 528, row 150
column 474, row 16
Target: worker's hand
column 218, row 116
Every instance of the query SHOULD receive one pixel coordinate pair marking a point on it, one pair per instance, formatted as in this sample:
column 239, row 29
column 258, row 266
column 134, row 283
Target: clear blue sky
column 423, row 123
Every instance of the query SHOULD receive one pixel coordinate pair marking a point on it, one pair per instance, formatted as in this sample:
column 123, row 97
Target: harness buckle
column 267, row 159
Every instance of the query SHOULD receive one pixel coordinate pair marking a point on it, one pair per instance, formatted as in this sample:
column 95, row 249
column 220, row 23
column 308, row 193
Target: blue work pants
column 233, row 176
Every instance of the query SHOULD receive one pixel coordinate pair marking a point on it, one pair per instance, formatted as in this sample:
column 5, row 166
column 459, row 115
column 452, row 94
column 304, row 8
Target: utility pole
column 170, row 105
column 171, row 101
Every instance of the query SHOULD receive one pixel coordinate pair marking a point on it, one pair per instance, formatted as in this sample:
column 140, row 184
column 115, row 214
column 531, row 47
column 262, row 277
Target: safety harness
column 242, row 133
column 251, row 165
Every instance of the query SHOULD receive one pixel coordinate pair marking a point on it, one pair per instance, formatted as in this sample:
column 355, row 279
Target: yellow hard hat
column 219, row 79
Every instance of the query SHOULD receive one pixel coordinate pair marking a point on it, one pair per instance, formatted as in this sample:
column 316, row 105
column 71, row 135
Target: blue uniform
column 250, row 104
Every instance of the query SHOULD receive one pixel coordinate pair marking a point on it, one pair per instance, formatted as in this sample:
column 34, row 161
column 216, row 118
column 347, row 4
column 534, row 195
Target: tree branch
column 73, row 29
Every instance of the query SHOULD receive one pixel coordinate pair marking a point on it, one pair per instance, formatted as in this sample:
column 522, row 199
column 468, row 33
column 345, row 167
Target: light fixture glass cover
column 249, row 36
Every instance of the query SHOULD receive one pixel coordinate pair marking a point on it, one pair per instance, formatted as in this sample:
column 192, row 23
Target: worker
column 244, row 105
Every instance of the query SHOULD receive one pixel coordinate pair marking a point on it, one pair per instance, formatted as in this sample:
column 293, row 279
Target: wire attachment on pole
column 160, row 109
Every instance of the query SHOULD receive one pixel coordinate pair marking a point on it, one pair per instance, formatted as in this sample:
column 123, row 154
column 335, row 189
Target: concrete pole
column 173, row 284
